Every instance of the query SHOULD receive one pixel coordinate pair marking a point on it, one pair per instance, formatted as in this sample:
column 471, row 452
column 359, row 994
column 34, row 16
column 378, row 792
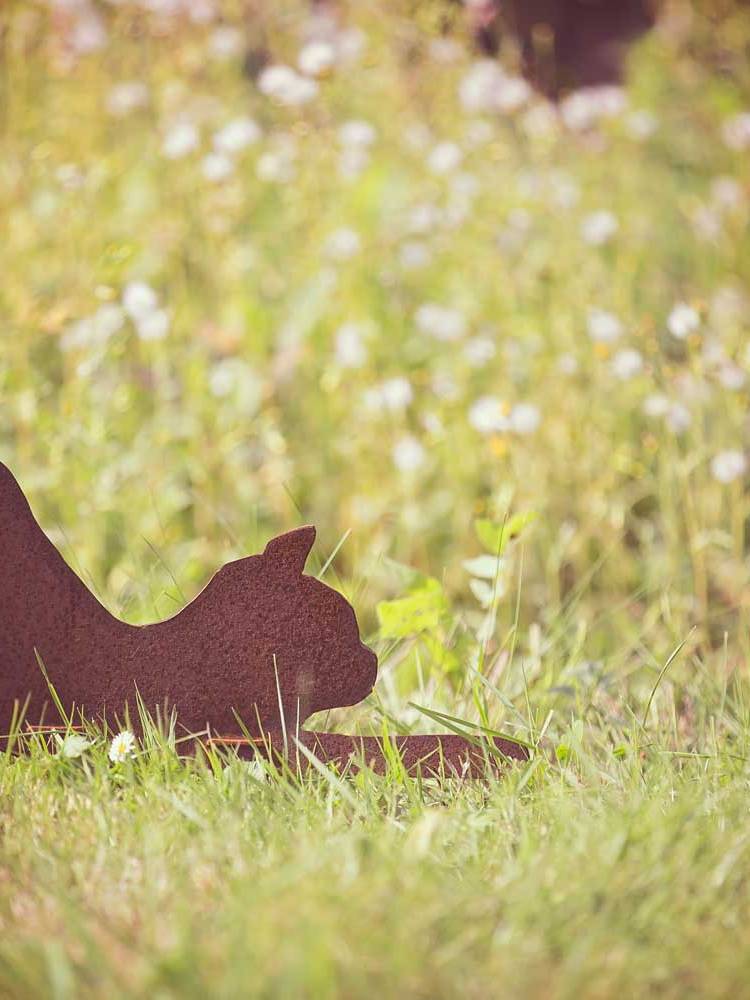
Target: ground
column 497, row 351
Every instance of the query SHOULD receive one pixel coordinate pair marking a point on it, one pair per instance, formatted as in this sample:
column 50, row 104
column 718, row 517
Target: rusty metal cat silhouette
column 262, row 642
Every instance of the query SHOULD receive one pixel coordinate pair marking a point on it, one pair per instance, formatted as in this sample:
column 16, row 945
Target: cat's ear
column 287, row 554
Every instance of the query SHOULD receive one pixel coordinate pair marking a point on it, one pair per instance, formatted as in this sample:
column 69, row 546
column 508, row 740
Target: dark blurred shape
column 564, row 44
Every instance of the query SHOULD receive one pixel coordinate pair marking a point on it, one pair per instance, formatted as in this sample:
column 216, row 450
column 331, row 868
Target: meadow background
column 262, row 267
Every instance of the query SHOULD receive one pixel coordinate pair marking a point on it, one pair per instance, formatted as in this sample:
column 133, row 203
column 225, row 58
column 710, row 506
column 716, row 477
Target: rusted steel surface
column 262, row 641
column 430, row 755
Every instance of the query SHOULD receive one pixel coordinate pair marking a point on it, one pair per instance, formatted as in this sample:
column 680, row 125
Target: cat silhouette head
column 294, row 640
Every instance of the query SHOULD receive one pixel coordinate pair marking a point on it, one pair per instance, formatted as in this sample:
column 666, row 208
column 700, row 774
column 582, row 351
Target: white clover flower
column 236, row 136
column 727, row 193
column 444, row 157
column 408, row 454
column 440, row 322
column 88, row 34
column 121, row 747
column 627, row 363
column 351, row 351
column 479, row 350
column 126, row 97
column 604, row 327
column 540, row 120
column 728, row 466
column 511, row 94
column 180, row 140
column 216, row 167
column 352, row 162
column 424, row 218
column 524, row 418
column 683, row 320
column 736, row 131
column 567, row 364
column 226, row 42
column 413, row 255
column 641, row 124
column 316, row 59
column 478, row 90
column 656, row 405
column 343, row 244
column 599, row 228
column 678, row 418
column 153, row 326
column 391, row 396
column 139, row 299
column 275, row 165
column 731, row 377
column 487, row 415
column 284, row 85
column 357, row 133
column 584, row 108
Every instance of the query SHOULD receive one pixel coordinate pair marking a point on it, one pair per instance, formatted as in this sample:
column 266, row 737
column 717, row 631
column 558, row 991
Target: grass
column 180, row 380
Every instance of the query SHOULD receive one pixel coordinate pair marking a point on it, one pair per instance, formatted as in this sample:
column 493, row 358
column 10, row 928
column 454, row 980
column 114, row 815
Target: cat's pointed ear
column 288, row 553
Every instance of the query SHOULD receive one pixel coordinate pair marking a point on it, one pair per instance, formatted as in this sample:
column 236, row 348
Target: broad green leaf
column 495, row 535
column 486, row 567
column 419, row 612
column 72, row 745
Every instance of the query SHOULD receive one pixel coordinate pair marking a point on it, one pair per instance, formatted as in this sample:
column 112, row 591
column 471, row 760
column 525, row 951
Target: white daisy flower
column 728, row 466
column 180, row 140
column 122, row 746
column 236, row 136
column 599, row 228
column 316, row 59
column 525, row 418
column 440, row 322
column 627, row 363
column 357, row 133
column 444, row 158
column 139, row 299
column 408, row 454
column 217, row 167
column 126, row 97
column 683, row 320
column 604, row 326
column 351, row 351
column 343, row 244
column 487, row 415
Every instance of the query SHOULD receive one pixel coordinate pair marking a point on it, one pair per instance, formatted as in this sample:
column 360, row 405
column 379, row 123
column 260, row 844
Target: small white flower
column 524, row 418
column 728, row 466
column 88, row 34
column 487, row 415
column 413, row 255
column 139, row 299
column 641, row 124
column 391, row 396
column 440, row 322
column 126, row 97
column 599, row 228
column 180, row 140
column 424, row 218
column 567, row 364
column 357, row 133
column 727, row 193
column 444, row 158
column 285, row 85
column 343, row 244
column 479, row 88
column 316, row 59
column 275, row 165
column 656, row 405
column 683, row 320
column 351, row 351
column 731, row 377
column 583, row 108
column 626, row 364
column 121, row 746
column 479, row 350
column 736, row 131
column 236, row 136
column 511, row 94
column 352, row 162
column 216, row 167
column 603, row 326
column 678, row 418
column 225, row 42
column 408, row 454
column 153, row 326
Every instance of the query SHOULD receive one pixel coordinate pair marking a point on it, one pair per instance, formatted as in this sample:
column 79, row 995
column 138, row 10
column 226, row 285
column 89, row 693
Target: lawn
column 262, row 270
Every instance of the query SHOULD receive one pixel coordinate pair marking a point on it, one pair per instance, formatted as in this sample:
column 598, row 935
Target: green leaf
column 495, row 535
column 486, row 567
column 72, row 745
column 421, row 611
